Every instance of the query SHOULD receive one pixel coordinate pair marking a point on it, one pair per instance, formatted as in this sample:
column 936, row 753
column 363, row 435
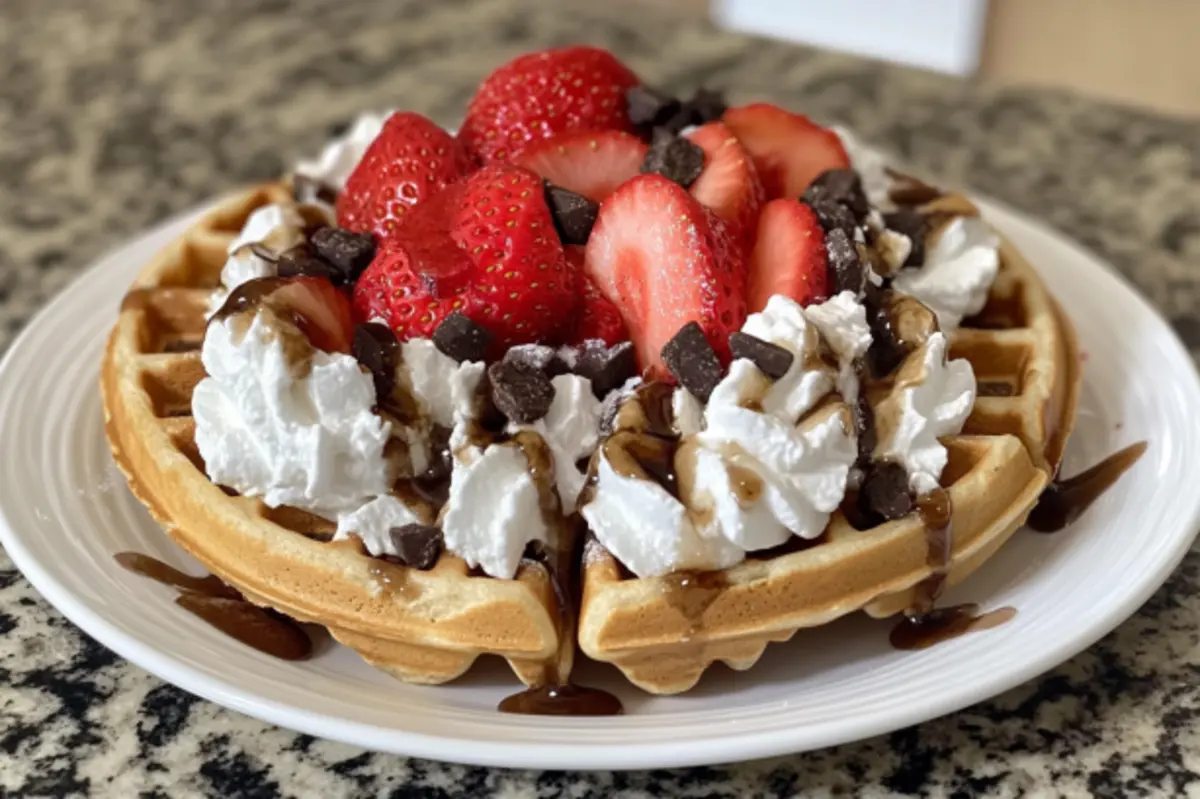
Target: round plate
column 65, row 510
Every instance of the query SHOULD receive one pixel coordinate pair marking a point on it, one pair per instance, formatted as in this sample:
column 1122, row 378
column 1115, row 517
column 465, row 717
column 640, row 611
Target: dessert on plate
column 657, row 378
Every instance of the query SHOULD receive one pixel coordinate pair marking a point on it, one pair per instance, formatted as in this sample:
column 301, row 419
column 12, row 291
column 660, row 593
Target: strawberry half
column 598, row 318
column 320, row 311
column 539, row 95
column 789, row 256
column 664, row 261
column 591, row 163
column 486, row 246
column 729, row 185
column 411, row 160
column 789, row 150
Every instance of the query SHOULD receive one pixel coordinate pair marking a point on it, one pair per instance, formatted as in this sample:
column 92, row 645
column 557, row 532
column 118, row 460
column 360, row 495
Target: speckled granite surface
column 115, row 114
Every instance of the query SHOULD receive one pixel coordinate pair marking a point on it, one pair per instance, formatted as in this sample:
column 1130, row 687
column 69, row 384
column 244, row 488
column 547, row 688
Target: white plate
column 65, row 511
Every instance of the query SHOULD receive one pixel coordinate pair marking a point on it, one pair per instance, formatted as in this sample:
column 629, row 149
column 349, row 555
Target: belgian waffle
column 420, row 626
column 663, row 632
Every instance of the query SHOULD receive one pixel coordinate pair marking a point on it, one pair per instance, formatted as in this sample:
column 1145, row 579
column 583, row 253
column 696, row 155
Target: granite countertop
column 115, row 114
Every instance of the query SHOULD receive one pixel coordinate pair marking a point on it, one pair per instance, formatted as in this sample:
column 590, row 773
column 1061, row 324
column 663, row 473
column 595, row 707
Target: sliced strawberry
column 598, row 318
column 319, row 310
column 411, row 160
column 729, row 184
column 539, row 95
column 789, row 256
column 591, row 163
column 788, row 149
column 664, row 261
column 491, row 253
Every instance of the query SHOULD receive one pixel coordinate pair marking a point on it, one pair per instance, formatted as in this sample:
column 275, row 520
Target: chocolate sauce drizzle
column 1064, row 500
column 224, row 607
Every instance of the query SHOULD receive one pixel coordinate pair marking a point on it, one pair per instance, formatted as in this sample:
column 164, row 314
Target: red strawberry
column 664, row 261
column 789, row 256
column 321, row 311
column 788, row 149
column 729, row 184
column 411, row 160
column 591, row 163
column 487, row 247
column 542, row 94
column 598, row 318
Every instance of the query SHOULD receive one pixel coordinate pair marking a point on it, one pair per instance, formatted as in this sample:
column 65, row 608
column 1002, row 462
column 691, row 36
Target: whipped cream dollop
column 294, row 434
column 842, row 321
column 340, row 156
column 275, row 227
column 571, row 429
column 446, row 390
column 931, row 397
column 961, row 261
column 373, row 523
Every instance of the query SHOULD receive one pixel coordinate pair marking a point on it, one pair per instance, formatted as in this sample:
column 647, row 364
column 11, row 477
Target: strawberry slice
column 411, row 160
column 320, row 311
column 664, row 260
column 789, row 256
column 540, row 95
column 591, row 163
column 729, row 184
column 788, row 149
column 598, row 317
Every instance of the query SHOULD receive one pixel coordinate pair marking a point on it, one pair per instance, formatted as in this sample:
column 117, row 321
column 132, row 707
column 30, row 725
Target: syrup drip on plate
column 942, row 624
column 1065, row 500
column 224, row 607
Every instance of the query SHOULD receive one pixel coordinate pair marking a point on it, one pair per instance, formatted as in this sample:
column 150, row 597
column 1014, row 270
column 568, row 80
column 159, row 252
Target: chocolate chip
column 647, row 107
column 842, row 186
column 376, row 348
column 864, row 429
column 301, row 261
column 347, row 251
column 834, row 216
column 462, row 339
column 520, row 393
column 691, row 358
column 417, row 545
column 844, row 267
column 885, row 490
column 771, row 359
column 915, row 225
column 607, row 367
column 574, row 215
column 675, row 158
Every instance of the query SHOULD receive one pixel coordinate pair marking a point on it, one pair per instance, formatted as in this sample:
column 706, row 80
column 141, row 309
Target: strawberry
column 664, row 261
column 788, row 149
column 789, row 256
column 411, row 160
column 591, row 163
column 539, row 95
column 321, row 312
column 598, row 318
column 485, row 246
column 729, row 185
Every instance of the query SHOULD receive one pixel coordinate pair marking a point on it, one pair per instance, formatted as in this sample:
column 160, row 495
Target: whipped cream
column 842, row 322
column 275, row 227
column 341, row 156
column 961, row 261
column 784, row 323
column 374, row 521
column 309, row 440
column 687, row 411
column 494, row 509
column 931, row 398
column 445, row 390
column 571, row 429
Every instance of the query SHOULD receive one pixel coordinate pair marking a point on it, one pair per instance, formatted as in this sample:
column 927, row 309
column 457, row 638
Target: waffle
column 663, row 632
column 420, row 626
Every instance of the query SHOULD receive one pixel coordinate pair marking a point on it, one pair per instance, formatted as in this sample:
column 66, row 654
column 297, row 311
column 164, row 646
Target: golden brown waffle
column 664, row 632
column 425, row 627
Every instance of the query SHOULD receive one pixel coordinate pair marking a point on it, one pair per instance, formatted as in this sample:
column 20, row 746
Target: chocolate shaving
column 885, row 491
column 675, row 158
column 417, row 545
column 520, row 393
column 607, row 367
column 915, row 225
column 462, row 339
column 348, row 252
column 376, row 348
column 692, row 360
column 841, row 186
column 844, row 267
column 574, row 215
column 771, row 359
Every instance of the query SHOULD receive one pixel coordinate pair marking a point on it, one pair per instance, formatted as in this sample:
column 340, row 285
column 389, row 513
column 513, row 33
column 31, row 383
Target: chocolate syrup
column 935, row 510
column 943, row 624
column 692, row 593
column 1064, row 500
column 563, row 700
column 224, row 607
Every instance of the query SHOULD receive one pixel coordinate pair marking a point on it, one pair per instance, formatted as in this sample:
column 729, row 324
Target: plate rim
column 475, row 750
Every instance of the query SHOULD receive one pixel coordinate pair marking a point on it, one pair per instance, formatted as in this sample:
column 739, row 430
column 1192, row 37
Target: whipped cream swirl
column 962, row 258
column 340, row 156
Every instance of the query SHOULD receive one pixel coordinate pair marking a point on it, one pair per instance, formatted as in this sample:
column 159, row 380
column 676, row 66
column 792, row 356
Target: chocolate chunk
column 648, row 107
column 520, row 393
column 842, row 186
column 302, row 261
column 886, row 351
column 771, row 359
column 376, row 348
column 347, row 251
column 915, row 225
column 534, row 356
column 707, row 105
column 834, row 216
column 462, row 339
column 864, row 429
column 573, row 214
column 675, row 158
column 885, row 490
column 844, row 267
column 607, row 367
column 417, row 545
column 692, row 360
